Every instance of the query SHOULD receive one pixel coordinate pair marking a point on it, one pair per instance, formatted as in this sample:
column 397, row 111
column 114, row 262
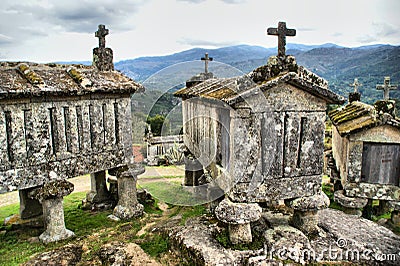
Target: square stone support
column 28, row 207
column 50, row 195
column 98, row 188
column 128, row 206
column 193, row 171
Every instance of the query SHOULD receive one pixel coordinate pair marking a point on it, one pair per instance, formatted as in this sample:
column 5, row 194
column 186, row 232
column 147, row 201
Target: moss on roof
column 357, row 116
column 19, row 80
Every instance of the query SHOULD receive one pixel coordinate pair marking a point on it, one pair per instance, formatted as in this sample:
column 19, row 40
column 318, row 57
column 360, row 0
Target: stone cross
column 386, row 87
column 206, row 59
column 101, row 34
column 356, row 85
column 281, row 32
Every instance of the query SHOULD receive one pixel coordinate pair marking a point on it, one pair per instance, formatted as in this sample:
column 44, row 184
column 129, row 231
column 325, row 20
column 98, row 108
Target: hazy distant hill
column 339, row 65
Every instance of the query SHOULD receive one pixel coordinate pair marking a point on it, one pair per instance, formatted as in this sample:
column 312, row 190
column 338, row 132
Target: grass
column 173, row 193
column 159, row 176
column 92, row 229
column 328, row 190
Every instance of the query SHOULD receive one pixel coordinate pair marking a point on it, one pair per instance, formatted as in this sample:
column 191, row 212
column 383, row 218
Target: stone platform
column 342, row 237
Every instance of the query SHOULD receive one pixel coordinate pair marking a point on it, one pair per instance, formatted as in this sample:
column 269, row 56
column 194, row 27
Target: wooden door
column 381, row 163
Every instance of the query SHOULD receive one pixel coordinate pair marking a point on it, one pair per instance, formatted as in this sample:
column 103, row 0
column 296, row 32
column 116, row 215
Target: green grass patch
column 7, row 211
column 173, row 193
column 16, row 249
column 160, row 176
column 328, row 190
column 155, row 245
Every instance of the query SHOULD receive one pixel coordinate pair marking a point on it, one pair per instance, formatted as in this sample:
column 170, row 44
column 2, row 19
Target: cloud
column 192, row 1
column 5, row 39
column 225, row 1
column 306, row 29
column 379, row 32
column 81, row 15
column 367, row 39
column 384, row 29
column 197, row 42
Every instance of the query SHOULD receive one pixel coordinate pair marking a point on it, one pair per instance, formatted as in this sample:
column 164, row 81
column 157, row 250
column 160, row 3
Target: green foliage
column 155, row 245
column 172, row 192
column 328, row 190
column 158, row 124
column 174, row 155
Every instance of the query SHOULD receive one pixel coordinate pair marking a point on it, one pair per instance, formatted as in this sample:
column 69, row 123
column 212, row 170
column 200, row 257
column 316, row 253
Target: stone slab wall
column 42, row 139
column 273, row 148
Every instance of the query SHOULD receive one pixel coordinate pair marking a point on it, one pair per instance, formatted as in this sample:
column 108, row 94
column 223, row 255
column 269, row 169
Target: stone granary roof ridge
column 357, row 116
column 25, row 79
column 233, row 90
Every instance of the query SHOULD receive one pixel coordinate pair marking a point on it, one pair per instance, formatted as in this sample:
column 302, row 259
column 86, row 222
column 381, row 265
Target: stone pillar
column 350, row 205
column 98, row 188
column 51, row 197
column 395, row 216
column 305, row 216
column 238, row 217
column 193, row 171
column 128, row 206
column 28, row 207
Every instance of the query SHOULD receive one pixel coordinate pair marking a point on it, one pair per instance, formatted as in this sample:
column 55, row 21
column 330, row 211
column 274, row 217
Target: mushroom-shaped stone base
column 128, row 206
column 350, row 205
column 305, row 216
column 50, row 195
column 238, row 216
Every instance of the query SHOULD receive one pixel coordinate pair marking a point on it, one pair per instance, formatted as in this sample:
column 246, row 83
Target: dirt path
column 82, row 183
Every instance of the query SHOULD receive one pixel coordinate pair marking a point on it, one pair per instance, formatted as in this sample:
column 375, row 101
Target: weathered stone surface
column 349, row 202
column 121, row 254
column 367, row 239
column 52, row 190
column 68, row 255
column 395, row 218
column 18, row 223
column 98, row 188
column 53, row 214
column 373, row 191
column 284, row 240
column 128, row 206
column 318, row 201
column 198, row 246
column 237, row 213
column 61, row 121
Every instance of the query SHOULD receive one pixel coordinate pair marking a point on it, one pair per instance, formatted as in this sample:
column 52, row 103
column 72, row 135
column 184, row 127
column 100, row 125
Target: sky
column 60, row 30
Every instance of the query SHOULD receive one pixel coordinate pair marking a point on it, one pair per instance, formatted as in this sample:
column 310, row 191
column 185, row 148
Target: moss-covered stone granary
column 61, row 121
column 365, row 159
column 260, row 136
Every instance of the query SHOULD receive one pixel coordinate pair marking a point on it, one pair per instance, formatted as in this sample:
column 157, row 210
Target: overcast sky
column 63, row 30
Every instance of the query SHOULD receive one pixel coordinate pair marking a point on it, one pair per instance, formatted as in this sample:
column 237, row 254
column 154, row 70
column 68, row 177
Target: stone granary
column 194, row 173
column 366, row 154
column 61, row 121
column 260, row 136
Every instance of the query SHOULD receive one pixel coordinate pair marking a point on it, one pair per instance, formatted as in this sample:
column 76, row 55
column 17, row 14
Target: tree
column 158, row 124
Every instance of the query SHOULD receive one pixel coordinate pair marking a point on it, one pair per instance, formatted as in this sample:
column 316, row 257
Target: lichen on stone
column 30, row 75
column 78, row 77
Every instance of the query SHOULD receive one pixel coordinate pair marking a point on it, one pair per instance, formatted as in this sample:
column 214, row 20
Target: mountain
column 339, row 65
